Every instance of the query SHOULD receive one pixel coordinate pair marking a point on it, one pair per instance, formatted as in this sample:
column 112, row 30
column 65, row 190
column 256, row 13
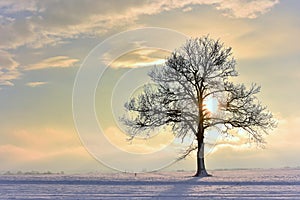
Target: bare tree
column 201, row 69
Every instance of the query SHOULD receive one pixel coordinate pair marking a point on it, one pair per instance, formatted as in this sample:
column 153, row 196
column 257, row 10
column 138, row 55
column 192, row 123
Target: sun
column 211, row 104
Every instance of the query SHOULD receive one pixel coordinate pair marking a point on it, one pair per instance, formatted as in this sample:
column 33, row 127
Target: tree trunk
column 201, row 171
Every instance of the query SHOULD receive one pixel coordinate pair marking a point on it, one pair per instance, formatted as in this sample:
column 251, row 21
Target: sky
column 45, row 45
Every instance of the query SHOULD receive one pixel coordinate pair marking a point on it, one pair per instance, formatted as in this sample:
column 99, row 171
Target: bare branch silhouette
column 197, row 71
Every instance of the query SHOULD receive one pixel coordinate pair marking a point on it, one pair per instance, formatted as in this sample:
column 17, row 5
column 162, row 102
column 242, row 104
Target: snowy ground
column 233, row 184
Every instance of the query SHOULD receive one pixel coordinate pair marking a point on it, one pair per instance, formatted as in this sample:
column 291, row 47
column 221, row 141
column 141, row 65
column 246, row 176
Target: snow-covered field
column 229, row 184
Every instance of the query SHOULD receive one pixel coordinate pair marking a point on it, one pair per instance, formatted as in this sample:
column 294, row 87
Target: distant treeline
column 33, row 173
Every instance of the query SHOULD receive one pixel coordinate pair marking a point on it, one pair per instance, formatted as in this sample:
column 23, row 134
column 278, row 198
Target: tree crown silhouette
column 201, row 69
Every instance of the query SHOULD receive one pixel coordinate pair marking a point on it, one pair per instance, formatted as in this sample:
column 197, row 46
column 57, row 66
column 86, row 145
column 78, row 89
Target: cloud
column 8, row 69
column 35, row 84
column 36, row 24
column 139, row 58
column 14, row 6
column 53, row 62
column 187, row 9
column 51, row 22
column 246, row 9
column 281, row 149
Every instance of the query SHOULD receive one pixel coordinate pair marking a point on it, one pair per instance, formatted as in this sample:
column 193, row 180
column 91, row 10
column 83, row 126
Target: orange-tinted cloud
column 53, row 62
column 36, row 84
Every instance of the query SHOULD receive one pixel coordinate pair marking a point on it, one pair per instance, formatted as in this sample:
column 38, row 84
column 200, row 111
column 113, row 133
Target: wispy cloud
column 53, row 62
column 50, row 22
column 139, row 58
column 8, row 68
column 246, row 9
column 35, row 84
